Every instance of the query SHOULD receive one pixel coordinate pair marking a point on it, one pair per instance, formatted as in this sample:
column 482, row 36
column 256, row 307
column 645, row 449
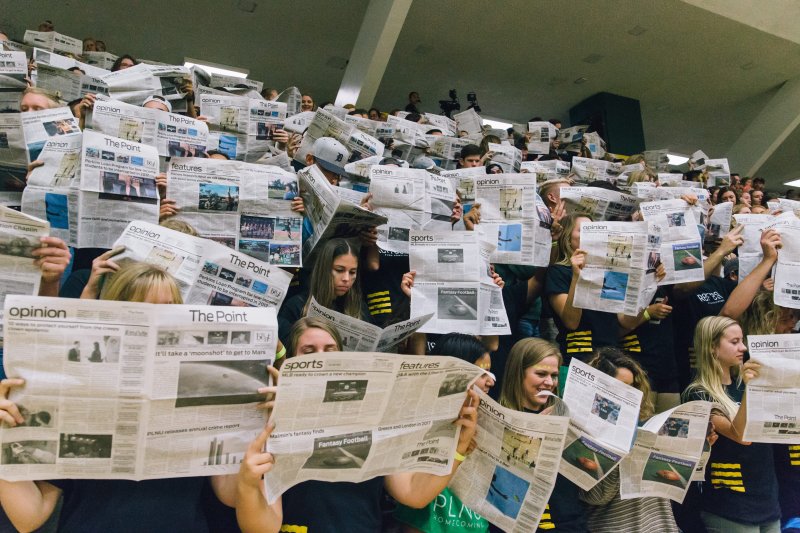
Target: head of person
column 531, row 372
column 719, row 348
column 179, row 225
column 470, row 156
column 47, row 25
column 413, row 98
column 570, row 238
column 639, row 176
column 740, row 209
column 763, row 317
column 306, row 103
column 77, row 71
column 494, row 168
column 123, row 62
column 414, row 117
column 330, row 156
column 312, row 335
column 157, row 101
column 759, row 183
column 270, row 94
column 375, row 114
column 613, row 362
column 792, row 194
column 486, row 141
column 434, row 131
column 555, row 122
column 359, row 112
column 142, row 282
column 471, row 350
column 757, row 197
column 3, row 36
column 89, row 45
column 550, row 191
column 36, row 99
column 334, row 278
column 728, row 194
column 100, row 46
column 746, row 199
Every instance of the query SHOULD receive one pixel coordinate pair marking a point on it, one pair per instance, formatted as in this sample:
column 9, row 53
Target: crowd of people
column 687, row 344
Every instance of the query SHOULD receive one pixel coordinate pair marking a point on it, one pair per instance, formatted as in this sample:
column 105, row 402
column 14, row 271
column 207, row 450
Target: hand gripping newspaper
column 667, row 450
column 117, row 185
column 325, row 124
column 514, row 218
column 410, row 199
column 599, row 204
column 674, row 240
column 507, row 156
column 587, row 170
column 604, row 414
column 172, row 134
column 244, row 206
column 360, row 336
column 120, row 390
column 787, row 269
column 454, row 282
column 354, row 416
column 329, row 215
column 53, row 188
column 616, row 277
column 773, row 398
column 207, row 272
column 510, row 475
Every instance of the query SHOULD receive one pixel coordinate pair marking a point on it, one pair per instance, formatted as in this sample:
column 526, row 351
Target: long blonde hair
column 523, row 355
column 135, row 280
column 761, row 316
column 565, row 249
column 707, row 336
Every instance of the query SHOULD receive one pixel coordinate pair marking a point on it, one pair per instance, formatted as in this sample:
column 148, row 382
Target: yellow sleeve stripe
column 378, row 306
column 719, row 473
column 286, row 528
column 380, row 311
column 794, row 447
column 726, row 465
column 795, row 455
column 378, row 300
column 795, row 463
column 546, row 525
column 729, row 482
column 375, row 294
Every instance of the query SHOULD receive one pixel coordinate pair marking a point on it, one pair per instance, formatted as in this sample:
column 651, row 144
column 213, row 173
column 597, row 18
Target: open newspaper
column 13, row 158
column 719, row 173
column 117, row 185
column 244, row 206
column 40, row 126
column 510, row 475
column 355, row 416
column 103, row 60
column 667, row 450
column 468, row 121
column 53, row 41
column 67, row 84
column 507, row 156
column 325, row 124
column 120, row 390
column 541, row 135
column 587, row 170
column 599, row 204
column 674, row 240
column 410, row 199
column 444, row 150
column 464, row 182
column 454, row 282
column 750, row 252
column 135, row 84
column 360, row 336
column 329, row 215
column 617, row 276
column 773, row 398
column 719, row 222
column 514, row 218
column 546, row 170
column 446, row 124
column 787, row 269
column 658, row 160
column 13, row 70
column 207, row 272
column 604, row 414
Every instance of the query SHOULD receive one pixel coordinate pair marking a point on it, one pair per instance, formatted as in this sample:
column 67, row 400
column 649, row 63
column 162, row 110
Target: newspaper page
column 510, row 475
column 120, row 390
column 541, row 134
column 616, row 277
column 117, row 185
column 667, row 450
column 464, row 181
column 226, row 202
column 750, row 253
column 446, row 124
column 39, row 126
column 328, row 214
column 298, row 123
column 587, row 170
column 52, row 191
column 360, row 336
column 442, row 147
column 719, row 221
column 546, row 170
column 773, row 398
column 604, row 415
column 507, row 156
column 719, row 173
column 599, row 204
column 787, row 269
column 354, row 416
column 44, row 57
column 514, row 218
column 68, row 85
column 207, row 272
column 786, row 206
column 291, row 96
column 674, row 240
column 658, row 160
column 410, row 199
column 172, row 134
column 326, row 124
column 454, row 282
column 468, row 121
column 229, row 119
column 13, row 70
column 104, row 60
column 53, row 41
column 571, row 134
column 132, row 85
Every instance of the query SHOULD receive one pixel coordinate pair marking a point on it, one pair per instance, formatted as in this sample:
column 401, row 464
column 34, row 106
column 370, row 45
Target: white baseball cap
column 157, row 98
column 331, row 154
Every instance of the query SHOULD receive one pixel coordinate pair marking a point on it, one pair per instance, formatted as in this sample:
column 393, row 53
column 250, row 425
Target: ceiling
column 701, row 77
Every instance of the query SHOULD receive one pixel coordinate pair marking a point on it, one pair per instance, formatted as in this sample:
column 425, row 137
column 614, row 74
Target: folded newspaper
column 325, row 124
column 599, row 204
column 354, row 416
column 120, row 390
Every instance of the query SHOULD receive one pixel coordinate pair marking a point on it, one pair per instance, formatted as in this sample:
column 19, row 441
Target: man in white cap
column 158, row 102
column 330, row 156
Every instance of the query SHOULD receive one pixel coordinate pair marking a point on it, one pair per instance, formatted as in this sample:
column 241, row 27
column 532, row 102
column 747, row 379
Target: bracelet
column 555, row 243
column 646, row 315
column 281, row 353
column 460, row 457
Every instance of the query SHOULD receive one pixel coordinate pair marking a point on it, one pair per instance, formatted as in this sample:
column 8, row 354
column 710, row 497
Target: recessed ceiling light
column 592, row 58
column 793, row 183
column 675, row 159
column 216, row 68
column 748, row 66
column 580, row 80
column 636, row 31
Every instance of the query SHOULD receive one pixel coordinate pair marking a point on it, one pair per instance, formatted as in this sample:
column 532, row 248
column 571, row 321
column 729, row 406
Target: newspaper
column 206, row 272
column 39, row 126
column 446, row 124
column 587, row 170
column 13, row 70
column 44, row 57
column 117, row 185
column 328, row 214
column 464, row 181
column 617, row 276
column 445, row 148
column 360, row 336
column 674, row 240
column 719, row 222
column 244, row 206
column 785, row 205
column 719, row 173
column 658, row 160
column 541, row 135
column 53, row 41
column 599, row 204
column 468, row 122
column 787, row 269
column 410, row 199
column 132, row 85
column 375, row 128
column 571, row 134
column 510, row 475
column 52, row 191
column 667, row 450
column 299, row 122
column 604, row 414
column 514, row 218
column 291, row 96
column 325, row 124
column 750, row 253
column 773, row 398
column 104, row 60
column 507, row 156
column 546, row 170
column 355, row 416
column 697, row 161
column 120, row 390
column 172, row 134
column 453, row 281
column 68, row 85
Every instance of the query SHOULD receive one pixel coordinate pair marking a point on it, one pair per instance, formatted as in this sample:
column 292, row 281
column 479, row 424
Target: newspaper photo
column 454, row 282
column 673, row 240
column 540, row 135
column 773, row 398
column 121, row 390
column 617, row 276
column 510, row 475
column 244, row 206
column 599, row 204
column 667, row 450
column 604, row 415
column 787, row 269
column 464, row 181
column 40, row 126
column 354, row 416
column 207, row 272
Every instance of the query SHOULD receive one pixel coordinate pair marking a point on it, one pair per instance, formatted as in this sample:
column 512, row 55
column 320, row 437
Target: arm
column 52, row 258
column 101, row 266
column 742, row 296
column 253, row 513
column 369, row 248
column 734, row 429
column 562, row 304
column 535, row 285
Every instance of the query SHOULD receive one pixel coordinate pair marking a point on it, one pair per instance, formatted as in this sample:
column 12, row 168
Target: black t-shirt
column 324, row 507
column 596, row 329
column 787, row 467
column 116, row 505
column 385, row 299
